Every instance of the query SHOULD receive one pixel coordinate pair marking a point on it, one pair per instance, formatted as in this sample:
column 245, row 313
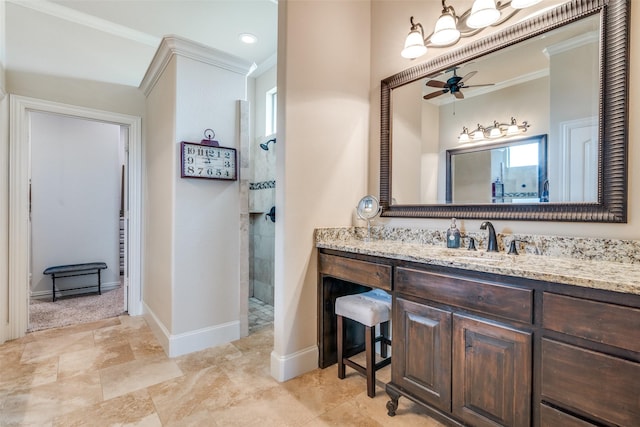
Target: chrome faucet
column 492, row 244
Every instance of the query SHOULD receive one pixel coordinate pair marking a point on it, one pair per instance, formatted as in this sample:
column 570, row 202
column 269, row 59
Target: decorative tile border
column 262, row 185
column 581, row 248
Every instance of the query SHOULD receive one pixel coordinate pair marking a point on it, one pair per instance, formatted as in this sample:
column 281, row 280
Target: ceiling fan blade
column 434, row 94
column 436, row 83
column 468, row 75
column 459, row 95
column 481, row 85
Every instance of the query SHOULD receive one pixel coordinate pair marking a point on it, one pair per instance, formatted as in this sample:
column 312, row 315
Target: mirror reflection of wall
column 558, row 94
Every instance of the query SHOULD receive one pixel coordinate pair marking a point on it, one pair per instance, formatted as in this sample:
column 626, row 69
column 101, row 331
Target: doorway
column 19, row 229
column 76, row 204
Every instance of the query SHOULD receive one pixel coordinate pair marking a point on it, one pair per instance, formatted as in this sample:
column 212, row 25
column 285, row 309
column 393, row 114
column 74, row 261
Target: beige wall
column 82, row 93
column 391, row 21
column 323, row 107
column 158, row 190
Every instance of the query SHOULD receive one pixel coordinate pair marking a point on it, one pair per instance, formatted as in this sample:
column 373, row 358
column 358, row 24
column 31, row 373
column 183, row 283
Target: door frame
column 19, row 167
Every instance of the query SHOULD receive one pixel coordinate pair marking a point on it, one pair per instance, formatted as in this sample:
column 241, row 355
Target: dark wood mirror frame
column 613, row 118
column 540, row 140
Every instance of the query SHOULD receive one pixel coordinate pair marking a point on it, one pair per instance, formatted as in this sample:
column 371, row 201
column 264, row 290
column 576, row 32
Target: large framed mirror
column 561, row 74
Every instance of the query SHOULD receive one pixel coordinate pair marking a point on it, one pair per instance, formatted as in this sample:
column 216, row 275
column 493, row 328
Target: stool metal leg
column 341, row 369
column 370, row 352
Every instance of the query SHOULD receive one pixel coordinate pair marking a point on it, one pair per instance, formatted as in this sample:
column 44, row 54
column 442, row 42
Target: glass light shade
column 521, row 4
column 464, row 137
column 445, row 32
column 414, row 45
column 495, row 133
column 483, row 14
column 512, row 130
column 477, row 135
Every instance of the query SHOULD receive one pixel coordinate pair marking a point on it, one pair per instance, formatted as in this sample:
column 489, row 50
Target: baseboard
column 284, row 368
column 65, row 293
column 196, row 340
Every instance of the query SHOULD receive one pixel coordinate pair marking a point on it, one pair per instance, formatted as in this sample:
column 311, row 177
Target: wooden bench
column 60, row 271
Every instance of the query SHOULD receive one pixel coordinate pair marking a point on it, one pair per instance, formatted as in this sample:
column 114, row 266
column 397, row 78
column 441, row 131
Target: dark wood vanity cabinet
column 481, row 349
column 451, row 353
column 590, row 362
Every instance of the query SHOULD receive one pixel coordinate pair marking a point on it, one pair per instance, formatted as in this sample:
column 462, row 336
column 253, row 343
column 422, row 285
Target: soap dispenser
column 453, row 235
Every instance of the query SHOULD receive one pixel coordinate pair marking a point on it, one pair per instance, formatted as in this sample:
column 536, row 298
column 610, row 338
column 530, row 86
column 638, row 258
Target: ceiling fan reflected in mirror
column 453, row 85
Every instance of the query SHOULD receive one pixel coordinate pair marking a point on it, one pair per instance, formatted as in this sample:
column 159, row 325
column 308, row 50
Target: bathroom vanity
column 497, row 340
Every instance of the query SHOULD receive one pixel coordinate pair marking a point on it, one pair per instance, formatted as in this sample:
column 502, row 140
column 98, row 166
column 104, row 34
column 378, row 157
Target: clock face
column 205, row 161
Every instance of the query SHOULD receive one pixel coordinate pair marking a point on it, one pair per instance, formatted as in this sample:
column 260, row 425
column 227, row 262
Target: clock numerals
column 208, row 162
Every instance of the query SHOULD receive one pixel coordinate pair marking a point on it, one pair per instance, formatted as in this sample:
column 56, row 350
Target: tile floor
column 114, row 372
column 260, row 315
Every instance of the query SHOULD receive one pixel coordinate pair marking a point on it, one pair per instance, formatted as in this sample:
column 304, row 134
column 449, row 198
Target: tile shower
column 261, row 228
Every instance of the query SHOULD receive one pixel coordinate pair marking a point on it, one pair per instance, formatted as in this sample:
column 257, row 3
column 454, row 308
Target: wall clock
column 207, row 161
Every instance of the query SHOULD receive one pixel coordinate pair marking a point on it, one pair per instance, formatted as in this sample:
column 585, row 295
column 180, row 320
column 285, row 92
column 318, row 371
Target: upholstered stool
column 370, row 309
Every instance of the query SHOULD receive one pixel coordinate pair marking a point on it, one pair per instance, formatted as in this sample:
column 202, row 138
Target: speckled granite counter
column 607, row 275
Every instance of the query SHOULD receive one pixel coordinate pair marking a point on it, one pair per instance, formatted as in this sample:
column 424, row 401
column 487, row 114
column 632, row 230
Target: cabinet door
column 421, row 346
column 491, row 373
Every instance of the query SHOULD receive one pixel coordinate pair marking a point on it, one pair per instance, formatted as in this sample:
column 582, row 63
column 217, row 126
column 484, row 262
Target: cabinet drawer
column 356, row 271
column 550, row 417
column 592, row 383
column 596, row 321
column 492, row 298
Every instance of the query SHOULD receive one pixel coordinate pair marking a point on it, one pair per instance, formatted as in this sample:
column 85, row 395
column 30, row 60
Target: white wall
column 323, row 125
column 192, row 258
column 207, row 212
column 4, row 184
column 391, row 22
column 75, row 195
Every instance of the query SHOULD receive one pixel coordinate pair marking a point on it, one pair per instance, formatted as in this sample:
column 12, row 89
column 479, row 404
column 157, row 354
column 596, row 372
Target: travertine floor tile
column 135, row 375
column 133, row 409
column 191, row 396
column 39, row 405
column 23, row 376
column 48, row 347
column 274, row 406
column 93, row 359
column 114, row 373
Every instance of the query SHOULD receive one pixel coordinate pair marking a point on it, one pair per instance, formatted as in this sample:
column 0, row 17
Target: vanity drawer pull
column 356, row 271
column 601, row 322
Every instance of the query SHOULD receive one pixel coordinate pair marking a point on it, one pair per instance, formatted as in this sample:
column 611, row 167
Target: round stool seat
column 369, row 308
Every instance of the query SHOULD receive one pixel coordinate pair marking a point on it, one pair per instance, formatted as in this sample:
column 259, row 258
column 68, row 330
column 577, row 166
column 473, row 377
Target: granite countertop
column 606, row 275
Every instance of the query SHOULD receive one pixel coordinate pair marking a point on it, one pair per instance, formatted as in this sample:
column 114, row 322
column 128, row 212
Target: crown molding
column 271, row 61
column 174, row 45
column 71, row 15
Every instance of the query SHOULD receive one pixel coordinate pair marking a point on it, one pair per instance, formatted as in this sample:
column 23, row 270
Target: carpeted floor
column 45, row 314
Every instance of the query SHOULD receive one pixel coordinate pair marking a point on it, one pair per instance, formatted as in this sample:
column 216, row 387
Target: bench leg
column 99, row 291
column 53, row 287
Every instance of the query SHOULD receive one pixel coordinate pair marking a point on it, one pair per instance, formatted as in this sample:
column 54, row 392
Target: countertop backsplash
column 580, row 248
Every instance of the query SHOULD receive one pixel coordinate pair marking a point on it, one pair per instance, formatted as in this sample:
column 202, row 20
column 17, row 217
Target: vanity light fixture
column 496, row 130
column 450, row 27
column 464, row 136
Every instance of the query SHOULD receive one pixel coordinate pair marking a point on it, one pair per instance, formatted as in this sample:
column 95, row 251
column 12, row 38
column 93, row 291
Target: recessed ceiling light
column 248, row 38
